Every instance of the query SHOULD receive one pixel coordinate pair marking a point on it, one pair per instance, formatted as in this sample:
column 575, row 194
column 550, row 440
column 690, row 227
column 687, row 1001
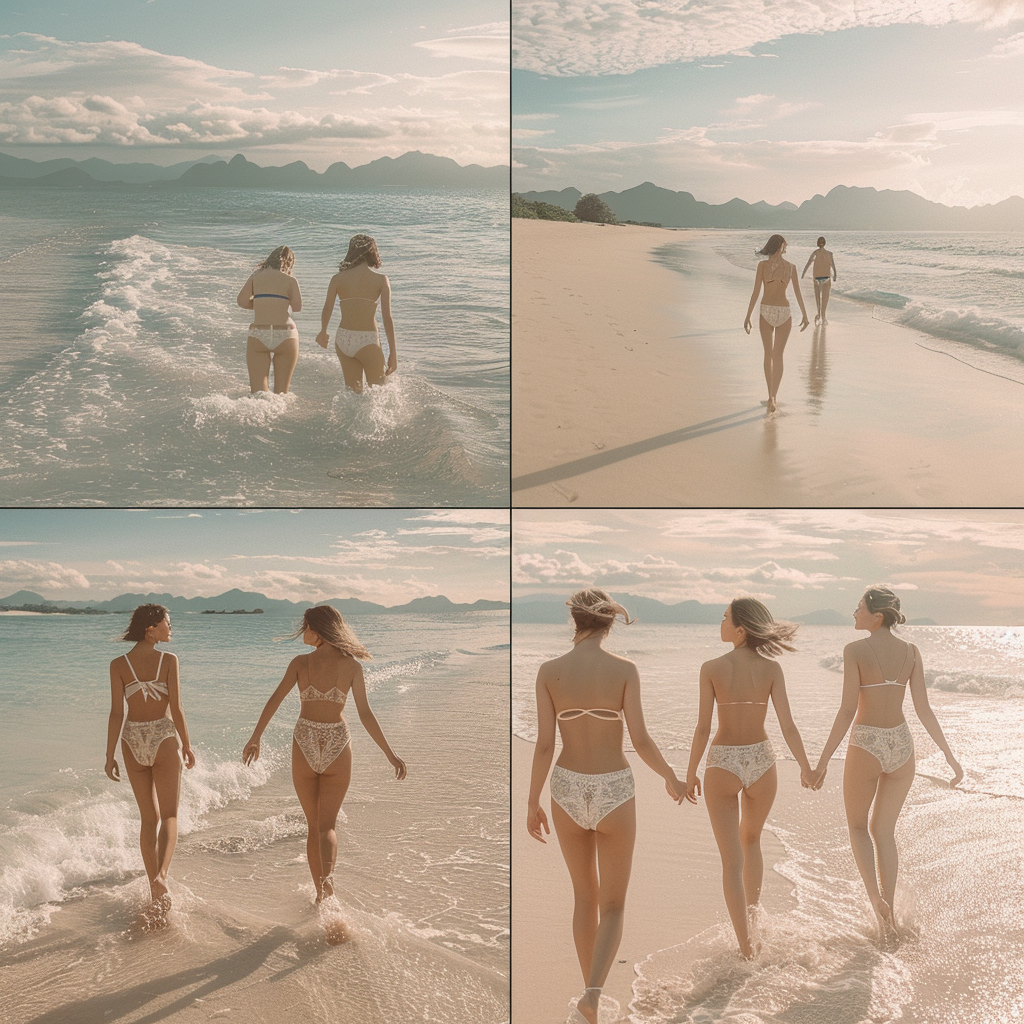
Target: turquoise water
column 124, row 374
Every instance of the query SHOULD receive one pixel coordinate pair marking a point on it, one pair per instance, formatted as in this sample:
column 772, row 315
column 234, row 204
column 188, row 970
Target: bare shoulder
column 621, row 662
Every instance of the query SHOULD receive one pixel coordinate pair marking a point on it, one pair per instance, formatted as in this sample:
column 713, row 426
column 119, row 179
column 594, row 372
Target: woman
column 358, row 288
column 148, row 680
column 880, row 755
column 590, row 694
column 740, row 778
column 321, row 753
column 776, row 318
column 273, row 336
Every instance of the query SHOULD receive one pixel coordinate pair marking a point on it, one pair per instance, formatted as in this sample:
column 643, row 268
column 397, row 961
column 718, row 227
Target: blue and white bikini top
column 601, row 714
column 889, row 682
column 333, row 694
column 147, row 687
column 271, row 295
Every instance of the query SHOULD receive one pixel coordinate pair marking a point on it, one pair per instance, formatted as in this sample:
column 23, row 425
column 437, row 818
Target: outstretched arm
column 758, row 278
column 648, row 750
column 799, row 298
column 251, row 752
column 114, row 723
column 370, row 723
column 245, row 295
column 325, row 315
column 845, row 714
column 543, row 752
column 389, row 326
column 177, row 713
column 919, row 693
column 789, row 730
column 701, row 732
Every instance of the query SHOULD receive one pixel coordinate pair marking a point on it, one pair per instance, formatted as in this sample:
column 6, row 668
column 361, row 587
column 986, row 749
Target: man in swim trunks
column 824, row 275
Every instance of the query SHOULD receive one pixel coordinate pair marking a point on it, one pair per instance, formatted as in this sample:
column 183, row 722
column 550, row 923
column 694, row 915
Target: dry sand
column 675, row 892
column 633, row 384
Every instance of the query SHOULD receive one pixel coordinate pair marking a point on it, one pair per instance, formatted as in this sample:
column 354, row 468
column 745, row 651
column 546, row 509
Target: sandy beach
column 634, row 383
column 675, row 892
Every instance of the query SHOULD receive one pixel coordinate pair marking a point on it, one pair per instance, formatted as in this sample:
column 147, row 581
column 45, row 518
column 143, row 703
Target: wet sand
column 635, row 384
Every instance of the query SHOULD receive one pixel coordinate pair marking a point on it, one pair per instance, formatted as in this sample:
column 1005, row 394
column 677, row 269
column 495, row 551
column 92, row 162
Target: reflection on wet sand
column 817, row 370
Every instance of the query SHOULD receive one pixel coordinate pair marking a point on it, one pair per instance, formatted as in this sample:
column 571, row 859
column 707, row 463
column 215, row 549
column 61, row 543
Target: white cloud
column 481, row 42
column 602, row 37
column 1011, row 46
column 49, row 575
column 581, row 531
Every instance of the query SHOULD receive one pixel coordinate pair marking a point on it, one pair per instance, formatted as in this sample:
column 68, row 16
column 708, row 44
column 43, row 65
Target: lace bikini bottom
column 589, row 798
column 348, row 343
column 321, row 742
column 892, row 748
column 748, row 763
column 144, row 738
column 271, row 337
column 775, row 315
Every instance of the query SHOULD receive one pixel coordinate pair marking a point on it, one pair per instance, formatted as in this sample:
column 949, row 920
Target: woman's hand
column 804, row 323
column 746, row 325
column 676, row 789
column 189, row 756
column 536, row 820
column 251, row 753
column 112, row 770
column 692, row 788
column 392, row 363
column 958, row 772
column 322, row 339
column 399, row 766
column 819, row 775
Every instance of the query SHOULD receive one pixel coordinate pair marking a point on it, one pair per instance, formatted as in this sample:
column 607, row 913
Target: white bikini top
column 147, row 687
column 333, row 694
column 601, row 714
column 889, row 682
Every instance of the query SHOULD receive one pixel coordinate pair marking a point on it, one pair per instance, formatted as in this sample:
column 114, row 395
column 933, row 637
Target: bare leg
column 286, row 355
column 307, row 789
column 766, row 340
column 141, row 779
column 721, row 792
column 579, row 850
column 257, row 357
column 826, row 290
column 167, row 781
column 817, row 300
column 891, row 793
column 352, row 370
column 781, row 337
column 372, row 358
column 755, row 805
column 860, row 782
column 333, row 787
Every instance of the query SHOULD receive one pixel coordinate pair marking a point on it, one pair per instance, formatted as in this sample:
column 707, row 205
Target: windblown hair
column 282, row 258
column 764, row 634
column 361, row 249
column 882, row 599
column 594, row 611
column 772, row 246
column 328, row 624
column 143, row 617
column 821, row 241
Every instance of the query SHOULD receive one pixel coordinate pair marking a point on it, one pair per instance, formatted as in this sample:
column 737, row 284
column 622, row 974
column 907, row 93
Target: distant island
column 237, row 611
column 843, row 209
column 411, row 170
column 44, row 608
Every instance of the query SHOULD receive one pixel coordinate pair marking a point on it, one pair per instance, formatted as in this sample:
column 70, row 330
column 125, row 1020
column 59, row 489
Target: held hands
column 692, row 788
column 536, row 820
column 675, row 789
column 112, row 770
column 251, row 753
column 322, row 339
column 811, row 778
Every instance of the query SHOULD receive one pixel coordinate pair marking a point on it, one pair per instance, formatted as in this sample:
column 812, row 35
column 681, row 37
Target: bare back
column 589, row 678
column 325, row 669
column 823, row 263
column 885, row 666
column 274, row 294
column 743, row 681
column 145, row 665
column 359, row 289
column 775, row 273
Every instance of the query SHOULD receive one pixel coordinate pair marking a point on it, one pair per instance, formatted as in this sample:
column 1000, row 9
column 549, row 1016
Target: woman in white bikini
column 273, row 337
column 880, row 755
column 321, row 752
column 147, row 680
column 776, row 317
column 740, row 778
column 590, row 694
column 358, row 287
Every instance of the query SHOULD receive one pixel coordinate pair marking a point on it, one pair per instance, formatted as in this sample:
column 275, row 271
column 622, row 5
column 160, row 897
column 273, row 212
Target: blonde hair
column 882, row 600
column 361, row 249
column 594, row 611
column 282, row 258
column 328, row 624
column 764, row 634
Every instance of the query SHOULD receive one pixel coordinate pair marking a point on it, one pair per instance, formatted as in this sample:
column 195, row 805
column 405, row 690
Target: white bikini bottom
column 748, row 762
column 348, row 343
column 589, row 798
column 892, row 748
column 775, row 315
column 321, row 742
column 144, row 738
column 271, row 337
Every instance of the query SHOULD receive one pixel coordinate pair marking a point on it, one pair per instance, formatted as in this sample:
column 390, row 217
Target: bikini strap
column 156, row 678
column 134, row 676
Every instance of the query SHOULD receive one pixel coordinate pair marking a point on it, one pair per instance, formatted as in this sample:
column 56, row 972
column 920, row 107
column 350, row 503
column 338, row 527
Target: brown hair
column 764, row 634
column 282, row 258
column 883, row 600
column 361, row 249
column 143, row 617
column 328, row 624
column 772, row 246
column 594, row 611
column 821, row 241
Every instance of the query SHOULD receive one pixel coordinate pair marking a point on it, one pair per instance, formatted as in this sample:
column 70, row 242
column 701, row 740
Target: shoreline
column 634, row 378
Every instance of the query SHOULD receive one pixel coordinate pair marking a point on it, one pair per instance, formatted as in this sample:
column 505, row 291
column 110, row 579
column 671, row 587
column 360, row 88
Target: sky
column 163, row 81
column 770, row 101
column 386, row 556
column 960, row 568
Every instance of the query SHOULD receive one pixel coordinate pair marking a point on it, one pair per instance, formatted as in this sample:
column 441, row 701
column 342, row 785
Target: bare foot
column 158, row 888
column 335, row 929
column 154, row 917
column 887, row 918
column 587, row 1005
column 772, row 405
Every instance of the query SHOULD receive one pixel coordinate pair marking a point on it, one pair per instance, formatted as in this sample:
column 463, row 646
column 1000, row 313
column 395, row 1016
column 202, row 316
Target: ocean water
column 961, row 858
column 123, row 376
column 965, row 289
column 423, row 869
